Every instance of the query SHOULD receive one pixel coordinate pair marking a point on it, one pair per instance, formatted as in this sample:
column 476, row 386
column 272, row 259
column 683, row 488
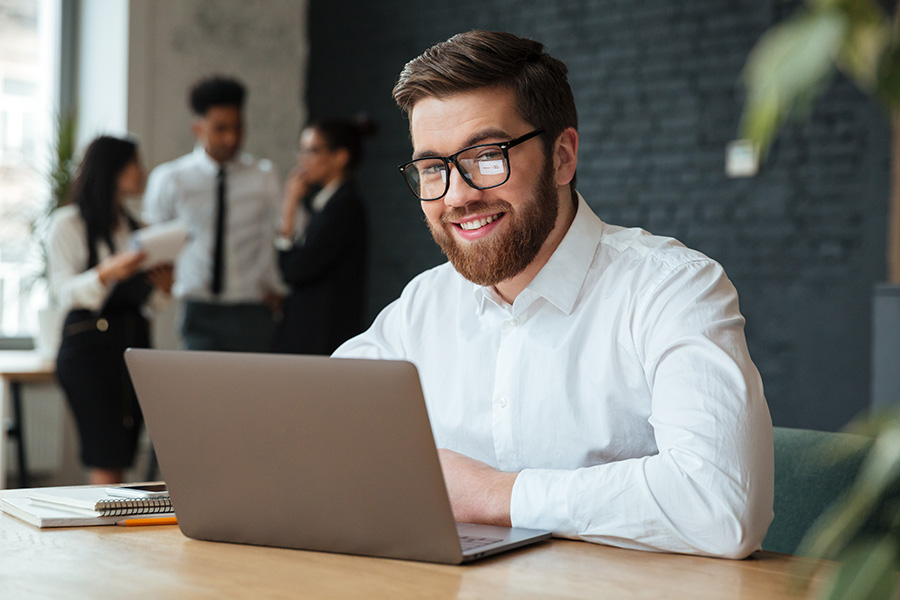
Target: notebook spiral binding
column 115, row 507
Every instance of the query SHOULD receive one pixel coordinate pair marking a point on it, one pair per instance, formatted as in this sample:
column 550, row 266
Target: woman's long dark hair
column 95, row 187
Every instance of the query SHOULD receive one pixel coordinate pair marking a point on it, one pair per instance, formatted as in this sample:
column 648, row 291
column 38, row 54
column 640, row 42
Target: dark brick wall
column 657, row 85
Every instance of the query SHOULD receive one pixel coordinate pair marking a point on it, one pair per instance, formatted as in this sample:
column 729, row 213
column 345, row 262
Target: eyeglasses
column 312, row 150
column 483, row 167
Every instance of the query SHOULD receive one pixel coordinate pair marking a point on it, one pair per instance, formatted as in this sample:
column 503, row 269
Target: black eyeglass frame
column 452, row 159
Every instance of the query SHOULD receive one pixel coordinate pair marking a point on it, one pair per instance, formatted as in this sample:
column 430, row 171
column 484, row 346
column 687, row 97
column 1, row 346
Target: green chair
column 812, row 469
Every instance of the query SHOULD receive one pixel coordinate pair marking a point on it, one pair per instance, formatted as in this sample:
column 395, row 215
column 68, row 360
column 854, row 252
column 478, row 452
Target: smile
column 479, row 223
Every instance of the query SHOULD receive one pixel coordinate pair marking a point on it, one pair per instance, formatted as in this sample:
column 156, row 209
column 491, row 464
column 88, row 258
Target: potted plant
column 787, row 69
column 59, row 171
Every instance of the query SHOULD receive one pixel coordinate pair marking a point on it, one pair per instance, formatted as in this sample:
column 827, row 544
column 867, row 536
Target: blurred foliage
column 62, row 161
column 790, row 66
column 861, row 531
column 59, row 170
column 795, row 60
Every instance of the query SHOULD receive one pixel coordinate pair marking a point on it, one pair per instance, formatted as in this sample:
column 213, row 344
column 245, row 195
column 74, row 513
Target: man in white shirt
column 580, row 377
column 227, row 274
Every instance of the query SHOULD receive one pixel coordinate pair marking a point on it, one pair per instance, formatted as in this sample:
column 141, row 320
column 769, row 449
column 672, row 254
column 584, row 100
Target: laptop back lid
column 299, row 452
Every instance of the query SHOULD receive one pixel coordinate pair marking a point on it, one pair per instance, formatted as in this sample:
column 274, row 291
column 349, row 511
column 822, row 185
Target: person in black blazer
column 323, row 241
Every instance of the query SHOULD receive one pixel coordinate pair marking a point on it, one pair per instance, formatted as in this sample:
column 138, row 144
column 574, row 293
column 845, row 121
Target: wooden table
column 160, row 562
column 16, row 369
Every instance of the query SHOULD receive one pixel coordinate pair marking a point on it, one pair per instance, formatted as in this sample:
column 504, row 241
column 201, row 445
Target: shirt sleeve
column 709, row 489
column 159, row 197
column 386, row 338
column 157, row 301
column 73, row 287
column 272, row 190
column 380, row 341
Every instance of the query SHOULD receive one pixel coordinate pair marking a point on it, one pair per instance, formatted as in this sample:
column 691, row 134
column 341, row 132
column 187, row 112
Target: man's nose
column 459, row 193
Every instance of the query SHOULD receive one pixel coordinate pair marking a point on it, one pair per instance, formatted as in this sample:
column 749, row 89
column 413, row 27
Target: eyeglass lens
column 483, row 167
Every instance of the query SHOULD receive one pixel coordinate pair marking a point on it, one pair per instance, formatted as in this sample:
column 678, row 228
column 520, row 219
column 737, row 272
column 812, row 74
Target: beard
column 498, row 258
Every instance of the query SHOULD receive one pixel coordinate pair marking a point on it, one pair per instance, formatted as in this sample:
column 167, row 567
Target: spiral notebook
column 93, row 502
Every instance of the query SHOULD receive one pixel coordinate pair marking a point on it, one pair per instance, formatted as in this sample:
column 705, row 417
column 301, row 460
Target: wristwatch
column 284, row 243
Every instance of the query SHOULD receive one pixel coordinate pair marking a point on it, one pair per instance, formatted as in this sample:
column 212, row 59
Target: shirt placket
column 508, row 376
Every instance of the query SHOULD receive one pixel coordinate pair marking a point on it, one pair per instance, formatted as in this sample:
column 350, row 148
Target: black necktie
column 218, row 275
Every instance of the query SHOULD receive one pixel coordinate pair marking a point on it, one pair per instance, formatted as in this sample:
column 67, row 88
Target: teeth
column 478, row 224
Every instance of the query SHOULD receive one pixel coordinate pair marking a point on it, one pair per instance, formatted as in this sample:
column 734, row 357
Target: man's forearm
column 478, row 492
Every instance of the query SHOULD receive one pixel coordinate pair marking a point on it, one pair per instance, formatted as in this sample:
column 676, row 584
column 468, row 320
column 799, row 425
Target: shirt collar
column 210, row 165
column 561, row 279
column 320, row 200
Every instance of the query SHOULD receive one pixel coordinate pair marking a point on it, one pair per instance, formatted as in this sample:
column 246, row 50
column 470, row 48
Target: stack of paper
column 77, row 506
column 162, row 242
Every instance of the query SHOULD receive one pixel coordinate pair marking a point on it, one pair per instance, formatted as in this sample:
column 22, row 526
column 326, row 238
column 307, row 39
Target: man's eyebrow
column 487, row 134
column 474, row 140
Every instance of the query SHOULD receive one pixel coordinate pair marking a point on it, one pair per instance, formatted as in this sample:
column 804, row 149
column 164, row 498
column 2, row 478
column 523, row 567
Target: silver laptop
column 304, row 452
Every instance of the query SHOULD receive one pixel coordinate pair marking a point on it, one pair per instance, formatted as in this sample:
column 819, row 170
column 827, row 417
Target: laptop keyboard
column 470, row 542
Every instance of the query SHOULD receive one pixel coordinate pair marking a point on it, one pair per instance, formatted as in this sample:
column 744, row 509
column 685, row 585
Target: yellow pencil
column 149, row 521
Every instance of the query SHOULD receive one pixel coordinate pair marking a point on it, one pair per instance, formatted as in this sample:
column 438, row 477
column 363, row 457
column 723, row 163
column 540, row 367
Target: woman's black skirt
column 91, row 369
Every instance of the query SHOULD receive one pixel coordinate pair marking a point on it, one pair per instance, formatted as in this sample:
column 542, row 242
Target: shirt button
column 514, row 322
column 502, row 401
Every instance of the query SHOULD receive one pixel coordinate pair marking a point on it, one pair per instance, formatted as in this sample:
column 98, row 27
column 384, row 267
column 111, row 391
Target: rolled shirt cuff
column 539, row 501
column 88, row 291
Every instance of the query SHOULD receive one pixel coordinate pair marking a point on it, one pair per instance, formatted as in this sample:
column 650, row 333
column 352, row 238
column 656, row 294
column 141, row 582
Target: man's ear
column 197, row 127
column 565, row 156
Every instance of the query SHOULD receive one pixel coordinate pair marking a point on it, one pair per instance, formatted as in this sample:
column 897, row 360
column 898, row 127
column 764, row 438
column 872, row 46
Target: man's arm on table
column 709, row 488
column 478, row 492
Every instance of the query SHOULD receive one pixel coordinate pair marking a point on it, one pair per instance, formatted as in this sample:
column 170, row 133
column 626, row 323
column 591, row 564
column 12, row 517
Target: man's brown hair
column 479, row 59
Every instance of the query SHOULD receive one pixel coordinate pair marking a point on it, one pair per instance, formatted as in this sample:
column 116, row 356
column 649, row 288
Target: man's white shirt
column 185, row 189
column 618, row 383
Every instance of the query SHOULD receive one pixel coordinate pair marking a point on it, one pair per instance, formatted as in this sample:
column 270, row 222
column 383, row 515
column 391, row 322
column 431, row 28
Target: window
column 29, row 42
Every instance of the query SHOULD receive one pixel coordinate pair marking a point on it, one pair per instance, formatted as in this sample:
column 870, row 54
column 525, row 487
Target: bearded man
column 580, row 377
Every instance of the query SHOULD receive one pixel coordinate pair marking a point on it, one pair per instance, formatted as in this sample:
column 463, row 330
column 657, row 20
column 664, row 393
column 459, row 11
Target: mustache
column 475, row 208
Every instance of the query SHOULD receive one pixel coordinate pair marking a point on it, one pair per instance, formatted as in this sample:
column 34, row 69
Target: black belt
column 90, row 324
column 84, row 321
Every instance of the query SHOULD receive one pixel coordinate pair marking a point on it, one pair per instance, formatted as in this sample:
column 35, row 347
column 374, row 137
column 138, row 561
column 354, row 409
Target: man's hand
column 295, row 188
column 478, row 493
column 162, row 277
column 274, row 302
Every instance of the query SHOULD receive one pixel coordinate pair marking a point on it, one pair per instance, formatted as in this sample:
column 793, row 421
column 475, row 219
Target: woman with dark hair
column 99, row 282
column 323, row 240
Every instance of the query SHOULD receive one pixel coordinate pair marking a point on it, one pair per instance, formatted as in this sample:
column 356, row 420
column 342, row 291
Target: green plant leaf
column 787, row 68
column 762, row 118
column 889, row 76
column 867, row 37
column 63, row 159
column 866, row 572
column 874, row 423
column 836, row 528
